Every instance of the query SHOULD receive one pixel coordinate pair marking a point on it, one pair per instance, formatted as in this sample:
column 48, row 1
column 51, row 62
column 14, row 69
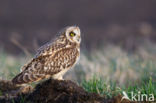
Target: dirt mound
column 53, row 91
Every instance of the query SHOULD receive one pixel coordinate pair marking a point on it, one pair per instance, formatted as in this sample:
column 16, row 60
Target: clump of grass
column 1, row 93
column 142, row 88
column 110, row 89
column 100, row 86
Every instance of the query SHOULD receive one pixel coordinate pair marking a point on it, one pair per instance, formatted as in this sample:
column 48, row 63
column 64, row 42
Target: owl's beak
column 79, row 39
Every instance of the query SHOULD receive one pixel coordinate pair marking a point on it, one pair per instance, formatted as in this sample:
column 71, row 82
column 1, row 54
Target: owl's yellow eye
column 72, row 34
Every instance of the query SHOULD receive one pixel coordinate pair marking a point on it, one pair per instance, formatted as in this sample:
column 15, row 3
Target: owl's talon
column 60, row 78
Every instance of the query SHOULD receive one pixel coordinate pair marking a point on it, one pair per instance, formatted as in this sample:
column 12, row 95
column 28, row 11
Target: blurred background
column 118, row 36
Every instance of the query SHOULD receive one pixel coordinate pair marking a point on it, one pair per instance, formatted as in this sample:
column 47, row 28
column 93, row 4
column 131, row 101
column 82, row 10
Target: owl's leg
column 60, row 78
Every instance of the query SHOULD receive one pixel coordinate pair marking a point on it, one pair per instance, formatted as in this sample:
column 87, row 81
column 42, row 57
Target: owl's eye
column 72, row 34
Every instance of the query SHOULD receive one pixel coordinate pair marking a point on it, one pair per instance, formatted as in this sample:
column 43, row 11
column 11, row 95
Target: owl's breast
column 71, row 57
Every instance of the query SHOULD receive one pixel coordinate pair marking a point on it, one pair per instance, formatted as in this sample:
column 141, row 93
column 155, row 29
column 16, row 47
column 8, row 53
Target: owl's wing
column 62, row 59
column 44, row 50
column 31, row 72
column 49, row 48
column 47, row 65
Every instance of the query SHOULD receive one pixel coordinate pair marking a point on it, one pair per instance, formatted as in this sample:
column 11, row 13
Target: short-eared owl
column 53, row 59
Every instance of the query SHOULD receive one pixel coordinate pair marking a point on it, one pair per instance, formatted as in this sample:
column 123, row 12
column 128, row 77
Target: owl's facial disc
column 73, row 34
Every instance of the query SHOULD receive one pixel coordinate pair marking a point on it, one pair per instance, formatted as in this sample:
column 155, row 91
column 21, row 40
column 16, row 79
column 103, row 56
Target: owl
column 53, row 59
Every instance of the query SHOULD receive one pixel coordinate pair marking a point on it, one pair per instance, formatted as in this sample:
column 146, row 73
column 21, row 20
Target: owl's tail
column 24, row 78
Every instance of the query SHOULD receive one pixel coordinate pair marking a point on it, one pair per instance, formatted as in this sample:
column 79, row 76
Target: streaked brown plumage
column 53, row 59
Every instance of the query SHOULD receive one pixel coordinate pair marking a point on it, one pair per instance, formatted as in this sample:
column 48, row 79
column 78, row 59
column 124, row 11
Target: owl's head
column 73, row 34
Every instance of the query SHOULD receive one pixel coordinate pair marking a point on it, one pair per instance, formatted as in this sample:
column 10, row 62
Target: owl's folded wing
column 46, row 66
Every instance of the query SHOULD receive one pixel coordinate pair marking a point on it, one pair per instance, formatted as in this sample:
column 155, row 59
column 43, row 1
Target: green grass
column 98, row 85
column 110, row 89
column 144, row 88
column 1, row 93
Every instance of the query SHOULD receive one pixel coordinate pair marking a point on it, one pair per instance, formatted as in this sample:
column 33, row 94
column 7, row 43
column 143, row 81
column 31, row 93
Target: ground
column 53, row 91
